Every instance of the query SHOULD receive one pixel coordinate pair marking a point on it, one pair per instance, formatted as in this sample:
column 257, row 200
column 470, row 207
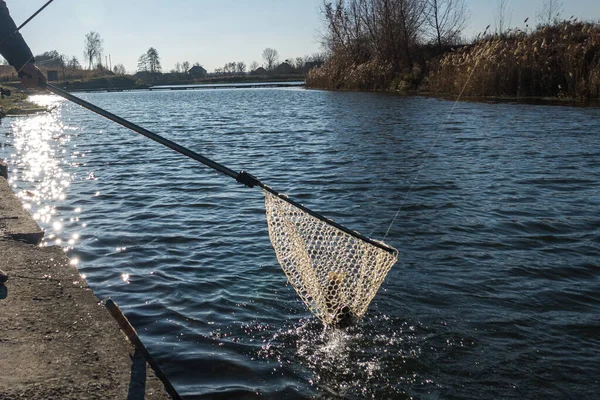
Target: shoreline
column 55, row 334
column 18, row 104
column 534, row 100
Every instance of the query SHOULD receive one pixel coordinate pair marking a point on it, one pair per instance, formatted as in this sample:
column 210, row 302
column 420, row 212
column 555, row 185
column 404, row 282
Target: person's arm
column 16, row 52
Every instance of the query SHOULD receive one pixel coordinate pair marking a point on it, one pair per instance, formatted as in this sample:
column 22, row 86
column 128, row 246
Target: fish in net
column 336, row 274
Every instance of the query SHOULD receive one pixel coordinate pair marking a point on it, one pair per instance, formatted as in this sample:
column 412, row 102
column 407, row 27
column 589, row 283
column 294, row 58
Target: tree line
column 271, row 62
column 391, row 31
column 94, row 58
column 397, row 31
column 418, row 44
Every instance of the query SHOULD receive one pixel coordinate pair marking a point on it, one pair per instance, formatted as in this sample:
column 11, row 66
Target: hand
column 31, row 76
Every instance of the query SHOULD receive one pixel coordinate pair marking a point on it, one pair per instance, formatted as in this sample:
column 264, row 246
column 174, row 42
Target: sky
column 215, row 32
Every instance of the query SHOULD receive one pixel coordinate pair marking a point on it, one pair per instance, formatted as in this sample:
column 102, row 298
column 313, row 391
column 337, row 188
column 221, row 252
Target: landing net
column 336, row 274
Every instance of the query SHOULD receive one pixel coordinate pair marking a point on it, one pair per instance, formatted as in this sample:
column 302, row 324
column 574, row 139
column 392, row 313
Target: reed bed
column 561, row 60
column 342, row 73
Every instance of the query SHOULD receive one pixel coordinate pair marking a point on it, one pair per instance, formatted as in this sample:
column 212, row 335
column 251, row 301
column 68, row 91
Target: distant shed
column 198, row 72
column 259, row 71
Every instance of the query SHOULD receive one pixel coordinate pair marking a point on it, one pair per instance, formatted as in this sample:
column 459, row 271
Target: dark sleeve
column 15, row 50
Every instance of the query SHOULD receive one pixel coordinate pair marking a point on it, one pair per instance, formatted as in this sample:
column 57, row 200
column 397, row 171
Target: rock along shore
column 57, row 340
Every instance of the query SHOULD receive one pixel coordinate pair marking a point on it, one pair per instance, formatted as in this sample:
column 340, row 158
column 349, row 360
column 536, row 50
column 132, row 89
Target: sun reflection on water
column 38, row 175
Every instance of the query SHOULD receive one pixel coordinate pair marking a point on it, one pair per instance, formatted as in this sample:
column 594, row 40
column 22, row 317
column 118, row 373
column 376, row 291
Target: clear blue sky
column 214, row 32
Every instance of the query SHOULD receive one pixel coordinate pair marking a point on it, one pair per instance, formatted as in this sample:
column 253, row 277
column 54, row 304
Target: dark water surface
column 497, row 291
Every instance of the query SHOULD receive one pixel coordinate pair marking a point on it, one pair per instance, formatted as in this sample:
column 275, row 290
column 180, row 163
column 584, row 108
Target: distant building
column 284, row 69
column 259, row 71
column 198, row 72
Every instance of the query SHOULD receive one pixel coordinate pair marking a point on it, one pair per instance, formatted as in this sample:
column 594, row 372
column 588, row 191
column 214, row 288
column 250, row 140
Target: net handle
column 142, row 131
column 242, row 177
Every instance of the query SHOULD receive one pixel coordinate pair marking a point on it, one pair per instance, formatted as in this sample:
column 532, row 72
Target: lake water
column 496, row 293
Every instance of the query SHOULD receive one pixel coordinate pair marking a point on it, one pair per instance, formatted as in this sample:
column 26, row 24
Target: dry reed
column 562, row 60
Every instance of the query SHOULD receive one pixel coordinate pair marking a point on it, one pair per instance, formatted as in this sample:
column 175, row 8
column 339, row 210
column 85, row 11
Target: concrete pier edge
column 57, row 339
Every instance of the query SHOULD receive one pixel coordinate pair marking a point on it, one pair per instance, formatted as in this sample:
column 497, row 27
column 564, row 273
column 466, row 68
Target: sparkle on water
column 333, row 355
column 495, row 294
column 39, row 146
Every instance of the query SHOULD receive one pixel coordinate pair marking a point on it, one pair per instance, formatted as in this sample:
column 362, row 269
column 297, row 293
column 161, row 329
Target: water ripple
column 496, row 291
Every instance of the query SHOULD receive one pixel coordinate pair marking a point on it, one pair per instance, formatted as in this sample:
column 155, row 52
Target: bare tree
column 502, row 16
column 241, row 67
column 298, row 64
column 177, row 68
column 185, row 66
column 232, row 67
column 93, row 48
column 253, row 66
column 73, row 64
column 271, row 57
column 229, row 68
column 119, row 69
column 383, row 29
column 316, row 57
column 550, row 12
column 446, row 20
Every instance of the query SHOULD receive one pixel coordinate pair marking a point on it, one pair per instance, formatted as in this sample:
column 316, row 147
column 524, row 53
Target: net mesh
column 336, row 274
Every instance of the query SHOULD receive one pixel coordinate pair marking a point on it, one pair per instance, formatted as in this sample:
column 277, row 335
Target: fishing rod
column 242, row 177
column 310, row 248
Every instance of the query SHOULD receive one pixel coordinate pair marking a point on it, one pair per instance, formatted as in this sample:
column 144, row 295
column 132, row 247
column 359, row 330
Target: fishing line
column 335, row 271
column 431, row 148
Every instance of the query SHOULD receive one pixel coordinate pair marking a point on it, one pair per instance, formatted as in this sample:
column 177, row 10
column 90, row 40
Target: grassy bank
column 250, row 79
column 127, row 82
column 342, row 73
column 559, row 61
column 17, row 104
column 109, row 82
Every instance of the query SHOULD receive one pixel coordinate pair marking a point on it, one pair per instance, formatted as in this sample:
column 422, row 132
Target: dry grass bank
column 553, row 61
column 342, row 73
column 559, row 61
